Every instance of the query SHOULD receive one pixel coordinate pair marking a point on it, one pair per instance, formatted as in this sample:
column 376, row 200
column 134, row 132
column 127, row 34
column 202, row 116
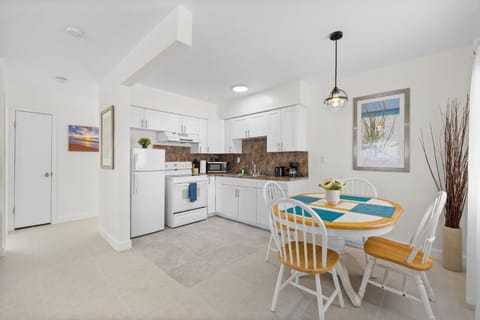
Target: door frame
column 11, row 166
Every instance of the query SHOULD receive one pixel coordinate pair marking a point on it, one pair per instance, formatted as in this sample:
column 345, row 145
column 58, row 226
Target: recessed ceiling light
column 75, row 32
column 61, row 79
column 240, row 88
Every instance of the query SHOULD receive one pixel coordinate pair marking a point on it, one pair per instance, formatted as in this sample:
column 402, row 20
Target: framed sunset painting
column 82, row 138
column 381, row 124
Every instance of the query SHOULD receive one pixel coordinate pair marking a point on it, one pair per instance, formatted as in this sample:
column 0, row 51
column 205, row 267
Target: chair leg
column 277, row 287
column 337, row 287
column 431, row 295
column 424, row 296
column 318, row 286
column 269, row 247
column 364, row 239
column 366, row 276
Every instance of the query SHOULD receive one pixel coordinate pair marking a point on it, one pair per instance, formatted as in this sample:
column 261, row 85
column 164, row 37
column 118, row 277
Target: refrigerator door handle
column 134, row 161
column 134, row 183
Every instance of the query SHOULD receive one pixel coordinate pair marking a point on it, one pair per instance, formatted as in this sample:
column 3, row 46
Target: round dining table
column 353, row 217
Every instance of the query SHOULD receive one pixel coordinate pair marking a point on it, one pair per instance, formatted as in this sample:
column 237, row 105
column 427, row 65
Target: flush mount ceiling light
column 337, row 97
column 239, row 88
column 73, row 31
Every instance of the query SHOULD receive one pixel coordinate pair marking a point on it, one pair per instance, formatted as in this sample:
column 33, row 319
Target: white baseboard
column 116, row 245
column 74, row 217
column 437, row 255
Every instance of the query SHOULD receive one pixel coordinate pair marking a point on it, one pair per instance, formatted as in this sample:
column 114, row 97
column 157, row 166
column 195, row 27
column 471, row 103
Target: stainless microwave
column 213, row 167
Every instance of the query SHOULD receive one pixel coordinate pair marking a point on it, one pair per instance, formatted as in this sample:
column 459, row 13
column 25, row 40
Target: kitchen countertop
column 261, row 177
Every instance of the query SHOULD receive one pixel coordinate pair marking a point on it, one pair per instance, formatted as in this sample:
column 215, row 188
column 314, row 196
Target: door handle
column 46, row 174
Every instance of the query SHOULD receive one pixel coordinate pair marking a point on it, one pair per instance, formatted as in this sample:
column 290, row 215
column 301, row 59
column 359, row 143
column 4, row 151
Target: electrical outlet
column 238, row 160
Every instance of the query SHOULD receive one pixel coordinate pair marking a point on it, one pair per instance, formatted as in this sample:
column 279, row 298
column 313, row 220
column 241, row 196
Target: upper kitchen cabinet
column 216, row 136
column 287, row 129
column 203, row 139
column 248, row 127
column 181, row 124
column 142, row 118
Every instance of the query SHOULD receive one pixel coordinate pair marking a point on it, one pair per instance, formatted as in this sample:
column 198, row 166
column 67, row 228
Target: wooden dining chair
column 301, row 251
column 410, row 260
column 271, row 191
column 359, row 187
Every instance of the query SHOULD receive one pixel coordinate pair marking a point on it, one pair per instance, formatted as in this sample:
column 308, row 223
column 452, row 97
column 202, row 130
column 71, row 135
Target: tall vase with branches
column 447, row 161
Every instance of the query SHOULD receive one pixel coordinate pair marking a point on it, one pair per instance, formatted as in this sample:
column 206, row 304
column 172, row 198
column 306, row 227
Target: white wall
column 432, row 81
column 2, row 159
column 76, row 175
column 289, row 94
column 473, row 241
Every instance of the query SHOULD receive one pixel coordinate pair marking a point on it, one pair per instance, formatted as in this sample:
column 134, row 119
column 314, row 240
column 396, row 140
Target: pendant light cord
column 335, row 63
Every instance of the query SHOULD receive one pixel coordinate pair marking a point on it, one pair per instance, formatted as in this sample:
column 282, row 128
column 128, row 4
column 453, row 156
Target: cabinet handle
column 146, row 124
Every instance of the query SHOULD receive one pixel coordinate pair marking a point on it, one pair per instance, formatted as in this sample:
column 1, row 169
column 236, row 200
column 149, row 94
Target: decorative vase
column 144, row 146
column 452, row 249
column 332, row 196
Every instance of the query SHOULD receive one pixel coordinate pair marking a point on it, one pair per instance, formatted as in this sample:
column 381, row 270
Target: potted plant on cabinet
column 448, row 165
column 332, row 188
column 144, row 142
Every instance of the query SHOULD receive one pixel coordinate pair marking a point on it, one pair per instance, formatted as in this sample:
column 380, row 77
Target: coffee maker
column 293, row 169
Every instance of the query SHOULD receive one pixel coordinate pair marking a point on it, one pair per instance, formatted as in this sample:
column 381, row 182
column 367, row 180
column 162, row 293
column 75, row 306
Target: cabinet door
column 257, row 125
column 294, row 129
column 190, row 125
column 216, row 136
column 154, row 120
column 274, row 134
column 262, row 213
column 232, row 145
column 173, row 122
column 202, row 146
column 136, row 117
column 211, row 195
column 229, row 201
column 247, row 204
column 238, row 128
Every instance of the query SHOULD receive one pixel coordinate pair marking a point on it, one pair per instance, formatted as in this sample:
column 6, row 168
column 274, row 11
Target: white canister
column 203, row 167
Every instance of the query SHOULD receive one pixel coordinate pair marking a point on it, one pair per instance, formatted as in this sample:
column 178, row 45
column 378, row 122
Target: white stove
column 184, row 205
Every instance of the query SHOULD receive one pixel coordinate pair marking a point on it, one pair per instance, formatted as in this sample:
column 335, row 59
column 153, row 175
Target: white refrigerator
column 147, row 212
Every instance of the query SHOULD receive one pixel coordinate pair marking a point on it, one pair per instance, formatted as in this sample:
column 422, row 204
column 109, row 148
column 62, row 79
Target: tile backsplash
column 254, row 149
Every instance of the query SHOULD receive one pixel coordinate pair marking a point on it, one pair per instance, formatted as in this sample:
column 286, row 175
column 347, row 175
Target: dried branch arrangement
column 448, row 161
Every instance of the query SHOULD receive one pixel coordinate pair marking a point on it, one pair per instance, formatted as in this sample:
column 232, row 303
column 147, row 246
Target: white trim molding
column 116, row 245
column 74, row 217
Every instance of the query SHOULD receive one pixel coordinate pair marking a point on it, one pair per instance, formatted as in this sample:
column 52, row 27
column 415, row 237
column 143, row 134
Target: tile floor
column 208, row 270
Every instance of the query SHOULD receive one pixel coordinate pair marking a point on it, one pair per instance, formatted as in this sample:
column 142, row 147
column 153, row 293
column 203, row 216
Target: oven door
column 181, row 201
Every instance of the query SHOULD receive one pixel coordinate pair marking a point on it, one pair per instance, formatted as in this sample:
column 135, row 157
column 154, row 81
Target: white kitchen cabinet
column 142, row 118
column 202, row 145
column 216, row 136
column 241, row 199
column 211, row 205
column 181, row 124
column 248, row 127
column 231, row 145
column 287, row 129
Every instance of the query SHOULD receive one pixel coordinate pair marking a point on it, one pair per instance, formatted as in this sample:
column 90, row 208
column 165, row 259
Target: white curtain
column 473, row 227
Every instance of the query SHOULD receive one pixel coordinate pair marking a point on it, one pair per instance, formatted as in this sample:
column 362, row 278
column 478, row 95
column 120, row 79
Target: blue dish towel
column 192, row 191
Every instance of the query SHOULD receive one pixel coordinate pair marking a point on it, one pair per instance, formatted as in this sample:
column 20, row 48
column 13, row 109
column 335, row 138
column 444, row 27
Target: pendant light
column 337, row 97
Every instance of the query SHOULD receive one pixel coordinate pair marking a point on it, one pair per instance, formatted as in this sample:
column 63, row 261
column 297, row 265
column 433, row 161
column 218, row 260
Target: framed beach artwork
column 107, row 138
column 82, row 138
column 381, row 124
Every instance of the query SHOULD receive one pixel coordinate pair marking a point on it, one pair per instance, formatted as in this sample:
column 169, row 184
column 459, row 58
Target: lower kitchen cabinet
column 211, row 205
column 241, row 199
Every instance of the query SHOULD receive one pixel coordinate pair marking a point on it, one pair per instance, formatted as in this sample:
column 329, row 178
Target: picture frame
column 83, row 138
column 381, row 131
column 107, row 138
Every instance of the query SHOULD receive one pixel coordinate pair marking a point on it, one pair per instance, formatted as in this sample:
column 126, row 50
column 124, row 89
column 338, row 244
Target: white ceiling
column 261, row 43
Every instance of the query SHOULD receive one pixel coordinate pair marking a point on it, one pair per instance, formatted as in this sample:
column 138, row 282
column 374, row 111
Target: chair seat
column 332, row 258
column 395, row 252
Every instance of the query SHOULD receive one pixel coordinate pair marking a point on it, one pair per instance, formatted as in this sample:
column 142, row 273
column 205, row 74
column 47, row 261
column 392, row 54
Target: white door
column 33, row 169
column 148, row 203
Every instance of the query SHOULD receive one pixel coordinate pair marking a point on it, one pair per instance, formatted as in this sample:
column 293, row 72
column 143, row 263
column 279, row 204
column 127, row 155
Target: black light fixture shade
column 337, row 97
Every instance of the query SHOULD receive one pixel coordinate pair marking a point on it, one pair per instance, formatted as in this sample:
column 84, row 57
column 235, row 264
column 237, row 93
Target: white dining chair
column 271, row 191
column 359, row 187
column 410, row 260
column 296, row 235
